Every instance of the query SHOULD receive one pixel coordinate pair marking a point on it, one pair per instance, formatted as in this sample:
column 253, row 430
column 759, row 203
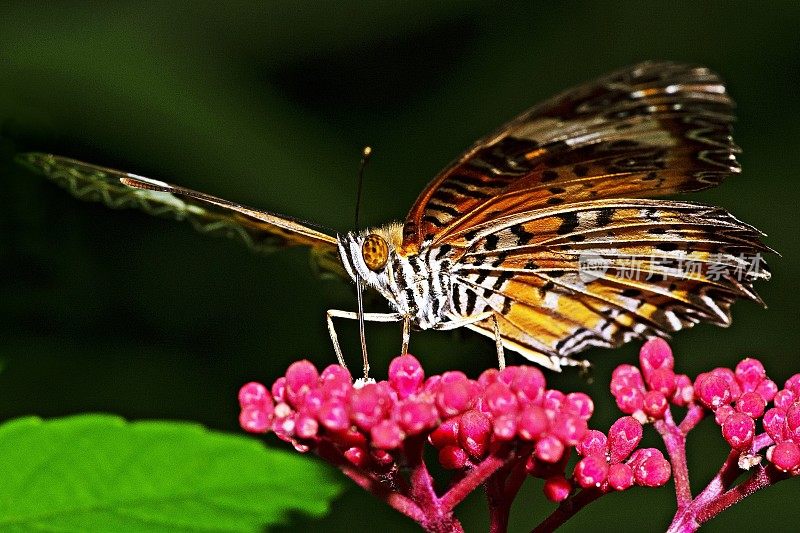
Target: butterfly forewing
column 259, row 230
column 653, row 129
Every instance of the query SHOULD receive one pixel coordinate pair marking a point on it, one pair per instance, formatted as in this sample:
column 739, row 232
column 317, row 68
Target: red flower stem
column 399, row 502
column 675, row 443
column 761, row 478
column 516, row 477
column 501, row 489
column 689, row 518
column 499, row 505
column 422, row 489
column 474, row 478
column 567, row 509
column 704, row 509
column 694, row 416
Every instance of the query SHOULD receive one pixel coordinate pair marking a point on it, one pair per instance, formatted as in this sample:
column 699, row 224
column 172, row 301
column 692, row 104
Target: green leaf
column 101, row 473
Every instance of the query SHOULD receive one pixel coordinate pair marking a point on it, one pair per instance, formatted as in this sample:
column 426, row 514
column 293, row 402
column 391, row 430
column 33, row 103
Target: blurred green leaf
column 101, row 473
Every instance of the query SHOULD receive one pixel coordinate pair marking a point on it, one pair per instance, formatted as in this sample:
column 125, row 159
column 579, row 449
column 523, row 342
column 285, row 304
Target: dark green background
column 118, row 312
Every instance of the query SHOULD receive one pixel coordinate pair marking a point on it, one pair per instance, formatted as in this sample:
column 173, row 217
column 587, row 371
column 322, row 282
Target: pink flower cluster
column 465, row 420
column 738, row 398
column 506, row 425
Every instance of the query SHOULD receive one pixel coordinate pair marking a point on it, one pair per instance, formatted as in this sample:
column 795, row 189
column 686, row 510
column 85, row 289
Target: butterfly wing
column 652, row 129
column 530, row 204
column 260, row 231
column 602, row 273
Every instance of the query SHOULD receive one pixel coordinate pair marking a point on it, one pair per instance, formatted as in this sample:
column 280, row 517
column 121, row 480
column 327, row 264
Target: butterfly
column 498, row 241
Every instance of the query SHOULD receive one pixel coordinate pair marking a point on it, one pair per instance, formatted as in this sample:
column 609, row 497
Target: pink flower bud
column 336, row 381
column 712, row 390
column 630, row 400
column 642, row 454
column 722, row 413
column 488, row 376
column 312, row 401
column 357, row 456
column 301, row 376
column 386, row 435
column 415, row 416
column 623, row 437
column 569, row 428
column 255, row 395
column 591, row 471
column 654, row 404
column 452, row 457
column 655, row 354
column 684, row 390
column 620, row 476
column 454, row 396
column 549, row 449
column 730, row 378
column 749, row 373
column 279, row 390
column 739, row 430
column 662, row 380
column 593, row 443
column 785, row 456
column 579, row 404
column 625, row 377
column 474, row 433
column 532, row 422
column 793, row 384
column 253, row 419
column 774, row 422
column 368, row 405
column 767, row 389
column 652, row 472
column 553, row 400
column 406, row 375
column 528, row 384
column 446, row 434
column 500, row 400
column 305, row 426
column 793, row 422
column 784, row 399
column 333, row 415
column 505, row 427
column 557, row 488
column 751, row 404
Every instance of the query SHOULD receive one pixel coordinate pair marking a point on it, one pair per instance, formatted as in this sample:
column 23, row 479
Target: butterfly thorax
column 417, row 284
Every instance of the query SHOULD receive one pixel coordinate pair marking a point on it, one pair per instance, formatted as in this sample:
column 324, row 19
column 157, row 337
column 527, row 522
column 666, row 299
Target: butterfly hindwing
column 602, row 273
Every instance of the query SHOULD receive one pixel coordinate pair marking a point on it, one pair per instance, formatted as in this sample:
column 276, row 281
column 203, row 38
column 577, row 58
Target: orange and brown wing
column 652, row 129
column 260, row 231
column 602, row 273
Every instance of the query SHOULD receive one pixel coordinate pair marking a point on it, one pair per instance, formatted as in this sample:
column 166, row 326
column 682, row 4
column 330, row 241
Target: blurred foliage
column 270, row 105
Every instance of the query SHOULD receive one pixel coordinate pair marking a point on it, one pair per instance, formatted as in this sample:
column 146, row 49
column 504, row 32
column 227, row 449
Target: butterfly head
column 368, row 255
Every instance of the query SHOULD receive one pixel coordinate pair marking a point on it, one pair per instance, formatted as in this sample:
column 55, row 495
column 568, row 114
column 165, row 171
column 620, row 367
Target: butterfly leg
column 498, row 341
column 351, row 315
column 406, row 334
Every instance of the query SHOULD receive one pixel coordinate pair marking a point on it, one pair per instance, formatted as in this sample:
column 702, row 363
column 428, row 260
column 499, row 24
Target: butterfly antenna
column 365, row 153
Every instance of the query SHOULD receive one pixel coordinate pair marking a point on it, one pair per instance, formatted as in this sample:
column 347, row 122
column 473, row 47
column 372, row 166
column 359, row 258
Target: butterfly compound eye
column 375, row 252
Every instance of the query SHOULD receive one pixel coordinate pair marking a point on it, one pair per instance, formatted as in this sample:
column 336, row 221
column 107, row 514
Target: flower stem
column 567, row 509
column 674, row 437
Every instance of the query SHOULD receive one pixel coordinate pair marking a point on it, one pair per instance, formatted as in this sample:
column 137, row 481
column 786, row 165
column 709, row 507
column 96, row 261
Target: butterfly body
column 417, row 285
column 499, row 240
